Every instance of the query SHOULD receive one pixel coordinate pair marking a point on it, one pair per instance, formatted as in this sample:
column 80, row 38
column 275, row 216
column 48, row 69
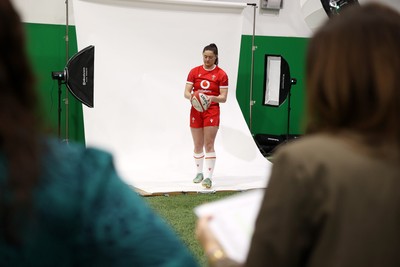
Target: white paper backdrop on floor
column 143, row 53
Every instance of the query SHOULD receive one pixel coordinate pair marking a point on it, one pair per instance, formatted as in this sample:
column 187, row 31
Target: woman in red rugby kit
column 212, row 81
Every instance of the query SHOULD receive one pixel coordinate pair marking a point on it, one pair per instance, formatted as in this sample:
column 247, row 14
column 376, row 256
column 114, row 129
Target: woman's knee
column 209, row 147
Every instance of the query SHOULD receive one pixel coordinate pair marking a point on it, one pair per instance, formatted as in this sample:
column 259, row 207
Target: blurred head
column 16, row 79
column 353, row 68
column 18, row 124
column 210, row 55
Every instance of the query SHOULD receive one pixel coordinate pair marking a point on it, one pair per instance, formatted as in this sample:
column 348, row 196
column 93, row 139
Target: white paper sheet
column 233, row 220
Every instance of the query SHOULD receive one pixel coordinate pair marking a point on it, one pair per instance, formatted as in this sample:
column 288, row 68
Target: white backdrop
column 143, row 53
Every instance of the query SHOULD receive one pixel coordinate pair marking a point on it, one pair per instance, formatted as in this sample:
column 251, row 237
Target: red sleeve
column 191, row 76
column 224, row 80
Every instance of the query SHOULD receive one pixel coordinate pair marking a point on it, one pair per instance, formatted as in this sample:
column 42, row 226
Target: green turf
column 177, row 210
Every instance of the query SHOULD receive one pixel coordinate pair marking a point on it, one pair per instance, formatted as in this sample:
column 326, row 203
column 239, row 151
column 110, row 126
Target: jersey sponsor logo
column 204, row 84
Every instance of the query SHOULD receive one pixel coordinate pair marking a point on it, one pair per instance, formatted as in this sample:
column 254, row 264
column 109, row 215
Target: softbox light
column 277, row 84
column 277, row 80
column 78, row 75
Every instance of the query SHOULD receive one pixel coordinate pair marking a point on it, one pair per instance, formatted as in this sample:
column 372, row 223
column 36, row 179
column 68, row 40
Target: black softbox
column 78, row 75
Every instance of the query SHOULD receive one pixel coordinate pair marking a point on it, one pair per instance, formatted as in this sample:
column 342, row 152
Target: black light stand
column 293, row 81
column 77, row 76
column 59, row 76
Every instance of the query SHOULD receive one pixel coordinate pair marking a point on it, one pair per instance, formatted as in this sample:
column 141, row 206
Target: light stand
column 66, row 58
column 253, row 48
column 59, row 76
column 78, row 76
column 293, row 81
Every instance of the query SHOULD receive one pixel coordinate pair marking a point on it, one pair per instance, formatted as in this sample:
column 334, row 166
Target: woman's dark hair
column 213, row 48
column 353, row 67
column 18, row 124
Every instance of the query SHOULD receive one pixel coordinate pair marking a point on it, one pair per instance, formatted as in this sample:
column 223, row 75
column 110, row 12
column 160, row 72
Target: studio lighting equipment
column 78, row 76
column 277, row 88
column 334, row 7
column 277, row 84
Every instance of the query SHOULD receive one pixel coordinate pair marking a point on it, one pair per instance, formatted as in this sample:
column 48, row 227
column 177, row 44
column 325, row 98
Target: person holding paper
column 333, row 196
column 211, row 80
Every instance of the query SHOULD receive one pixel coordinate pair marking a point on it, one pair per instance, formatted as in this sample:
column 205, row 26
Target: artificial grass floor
column 177, row 210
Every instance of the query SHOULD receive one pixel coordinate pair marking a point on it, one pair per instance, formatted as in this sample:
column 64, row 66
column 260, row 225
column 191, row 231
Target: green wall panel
column 265, row 119
column 46, row 47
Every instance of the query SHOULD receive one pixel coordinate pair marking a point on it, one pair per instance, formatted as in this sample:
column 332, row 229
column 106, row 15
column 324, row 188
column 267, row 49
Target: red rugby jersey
column 208, row 81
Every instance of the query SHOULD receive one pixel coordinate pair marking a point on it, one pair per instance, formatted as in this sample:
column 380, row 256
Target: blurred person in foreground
column 65, row 205
column 333, row 198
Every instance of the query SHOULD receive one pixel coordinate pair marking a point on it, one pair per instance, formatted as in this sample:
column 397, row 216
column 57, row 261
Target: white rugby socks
column 199, row 159
column 210, row 159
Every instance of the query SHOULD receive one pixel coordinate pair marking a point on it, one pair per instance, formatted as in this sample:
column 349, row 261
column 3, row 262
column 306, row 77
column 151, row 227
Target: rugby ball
column 200, row 101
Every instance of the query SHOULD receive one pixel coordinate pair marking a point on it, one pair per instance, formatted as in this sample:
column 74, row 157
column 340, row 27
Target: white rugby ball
column 200, row 101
